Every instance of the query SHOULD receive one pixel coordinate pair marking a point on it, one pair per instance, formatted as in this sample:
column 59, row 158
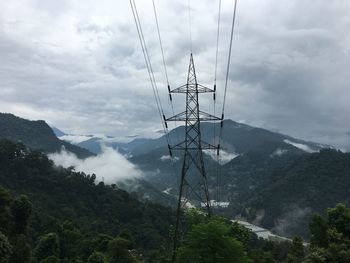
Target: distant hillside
column 36, row 135
column 298, row 187
column 94, row 144
column 237, row 138
column 243, row 148
column 271, row 179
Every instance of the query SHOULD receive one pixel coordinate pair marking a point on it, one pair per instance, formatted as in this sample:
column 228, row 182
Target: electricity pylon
column 193, row 184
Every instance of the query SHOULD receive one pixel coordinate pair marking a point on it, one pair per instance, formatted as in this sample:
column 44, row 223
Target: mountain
column 262, row 175
column 237, row 138
column 36, row 135
column 94, row 144
column 242, row 146
column 57, row 132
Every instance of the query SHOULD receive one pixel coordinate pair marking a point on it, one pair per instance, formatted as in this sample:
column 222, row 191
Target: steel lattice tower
column 193, row 184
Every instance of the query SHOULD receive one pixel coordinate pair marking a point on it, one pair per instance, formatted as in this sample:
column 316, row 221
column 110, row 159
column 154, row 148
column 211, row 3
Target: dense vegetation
column 220, row 241
column 35, row 135
column 50, row 213
column 292, row 189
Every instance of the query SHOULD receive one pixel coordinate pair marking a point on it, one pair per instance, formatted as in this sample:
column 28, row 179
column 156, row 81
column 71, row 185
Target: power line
column 164, row 64
column 229, row 57
column 228, row 69
column 144, row 51
column 160, row 42
column 214, row 94
column 149, row 68
column 225, row 91
column 193, row 145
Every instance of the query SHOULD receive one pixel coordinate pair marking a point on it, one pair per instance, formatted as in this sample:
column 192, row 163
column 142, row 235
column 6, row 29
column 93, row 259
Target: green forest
column 49, row 213
column 52, row 214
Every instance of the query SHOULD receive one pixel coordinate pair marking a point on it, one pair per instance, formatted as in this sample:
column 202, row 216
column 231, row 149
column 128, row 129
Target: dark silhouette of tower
column 193, row 184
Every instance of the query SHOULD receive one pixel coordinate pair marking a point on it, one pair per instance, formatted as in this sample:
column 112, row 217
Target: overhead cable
column 149, row 68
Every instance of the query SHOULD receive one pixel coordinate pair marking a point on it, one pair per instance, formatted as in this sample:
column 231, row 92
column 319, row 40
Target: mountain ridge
column 233, row 132
column 37, row 135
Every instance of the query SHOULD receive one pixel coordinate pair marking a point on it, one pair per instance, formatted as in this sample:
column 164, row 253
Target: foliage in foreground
column 218, row 240
column 211, row 242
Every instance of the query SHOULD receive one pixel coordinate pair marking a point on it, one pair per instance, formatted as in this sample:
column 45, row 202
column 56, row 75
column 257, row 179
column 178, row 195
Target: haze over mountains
column 237, row 138
column 268, row 178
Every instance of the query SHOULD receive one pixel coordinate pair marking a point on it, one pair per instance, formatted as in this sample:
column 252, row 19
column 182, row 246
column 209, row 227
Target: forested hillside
column 286, row 192
column 35, row 135
column 63, row 214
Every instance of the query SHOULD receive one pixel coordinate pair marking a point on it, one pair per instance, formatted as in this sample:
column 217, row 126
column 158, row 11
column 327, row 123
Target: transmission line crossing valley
column 193, row 180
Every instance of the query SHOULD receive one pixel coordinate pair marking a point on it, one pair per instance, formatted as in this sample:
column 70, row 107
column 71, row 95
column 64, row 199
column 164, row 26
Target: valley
column 262, row 179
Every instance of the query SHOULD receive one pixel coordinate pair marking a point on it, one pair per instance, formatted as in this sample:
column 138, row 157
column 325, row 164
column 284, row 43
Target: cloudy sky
column 79, row 66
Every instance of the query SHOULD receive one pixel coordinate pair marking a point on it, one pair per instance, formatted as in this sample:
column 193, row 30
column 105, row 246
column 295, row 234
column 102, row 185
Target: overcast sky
column 79, row 66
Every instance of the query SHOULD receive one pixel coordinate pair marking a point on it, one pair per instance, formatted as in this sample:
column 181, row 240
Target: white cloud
column 279, row 152
column 75, row 139
column 223, row 158
column 168, row 157
column 109, row 166
column 301, row 146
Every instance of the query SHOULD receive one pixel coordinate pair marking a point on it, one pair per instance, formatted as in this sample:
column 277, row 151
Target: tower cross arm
column 198, row 88
column 203, row 116
column 208, row 146
column 204, row 146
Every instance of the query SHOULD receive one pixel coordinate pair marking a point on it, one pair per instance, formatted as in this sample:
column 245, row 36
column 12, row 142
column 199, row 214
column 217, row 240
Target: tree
column 48, row 246
column 334, row 253
column 69, row 239
column 5, row 198
column 241, row 233
column 296, row 253
column 260, row 256
column 21, row 250
column 21, row 208
column 330, row 236
column 339, row 218
column 118, row 251
column 210, row 242
column 318, row 230
column 97, row 257
column 5, row 249
column 5, row 215
column 50, row 259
